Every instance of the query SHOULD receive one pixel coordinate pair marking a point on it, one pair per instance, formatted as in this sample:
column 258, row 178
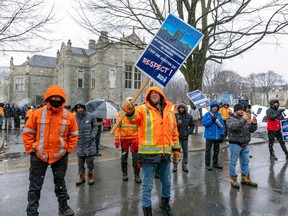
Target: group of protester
column 152, row 132
column 10, row 116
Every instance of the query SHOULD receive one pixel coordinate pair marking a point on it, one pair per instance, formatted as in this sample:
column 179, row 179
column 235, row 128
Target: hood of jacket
column 155, row 88
column 214, row 103
column 80, row 102
column 272, row 104
column 182, row 105
column 54, row 90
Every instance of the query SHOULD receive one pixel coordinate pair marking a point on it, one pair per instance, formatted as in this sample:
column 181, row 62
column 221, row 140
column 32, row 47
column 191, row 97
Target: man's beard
column 153, row 103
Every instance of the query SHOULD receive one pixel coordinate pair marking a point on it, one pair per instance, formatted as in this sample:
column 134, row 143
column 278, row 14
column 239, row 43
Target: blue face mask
column 55, row 104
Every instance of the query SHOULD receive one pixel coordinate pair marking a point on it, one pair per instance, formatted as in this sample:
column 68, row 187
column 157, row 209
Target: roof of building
column 82, row 51
column 41, row 61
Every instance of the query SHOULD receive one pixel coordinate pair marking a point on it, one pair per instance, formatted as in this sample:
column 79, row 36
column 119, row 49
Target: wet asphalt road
column 198, row 192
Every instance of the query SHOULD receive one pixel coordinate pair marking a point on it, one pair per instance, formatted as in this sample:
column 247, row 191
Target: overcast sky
column 261, row 59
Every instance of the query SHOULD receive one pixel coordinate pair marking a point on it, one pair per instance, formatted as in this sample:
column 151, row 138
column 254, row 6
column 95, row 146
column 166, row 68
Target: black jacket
column 185, row 125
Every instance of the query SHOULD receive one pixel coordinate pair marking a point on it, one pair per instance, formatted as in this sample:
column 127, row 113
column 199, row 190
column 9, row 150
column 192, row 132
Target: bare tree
column 176, row 90
column 21, row 23
column 217, row 81
column 230, row 28
column 251, row 81
column 267, row 81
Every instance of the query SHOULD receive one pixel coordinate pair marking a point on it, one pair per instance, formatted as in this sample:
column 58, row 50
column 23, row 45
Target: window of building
column 93, row 83
column 19, row 84
column 137, row 78
column 80, row 79
column 112, row 77
column 132, row 76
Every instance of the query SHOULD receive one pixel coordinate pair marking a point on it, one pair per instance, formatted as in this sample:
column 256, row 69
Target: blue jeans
column 236, row 152
column 148, row 172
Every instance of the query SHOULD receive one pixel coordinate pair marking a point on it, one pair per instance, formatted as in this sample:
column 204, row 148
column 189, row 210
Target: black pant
column 184, row 145
column 278, row 135
column 36, row 177
column 89, row 162
column 209, row 144
column 17, row 122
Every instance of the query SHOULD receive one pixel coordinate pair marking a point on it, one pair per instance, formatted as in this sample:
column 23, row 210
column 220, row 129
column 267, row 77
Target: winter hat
column 238, row 107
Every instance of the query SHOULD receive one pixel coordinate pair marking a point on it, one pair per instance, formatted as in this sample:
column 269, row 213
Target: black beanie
column 238, row 107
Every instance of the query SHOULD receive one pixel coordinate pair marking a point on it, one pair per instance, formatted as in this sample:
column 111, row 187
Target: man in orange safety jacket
column 158, row 138
column 49, row 135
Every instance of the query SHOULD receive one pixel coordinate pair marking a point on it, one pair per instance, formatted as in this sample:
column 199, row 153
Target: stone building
column 104, row 70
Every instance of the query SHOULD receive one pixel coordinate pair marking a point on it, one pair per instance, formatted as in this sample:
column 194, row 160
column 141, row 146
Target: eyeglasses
column 82, row 107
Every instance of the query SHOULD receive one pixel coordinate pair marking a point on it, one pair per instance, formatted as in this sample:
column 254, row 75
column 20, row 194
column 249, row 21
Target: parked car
column 107, row 124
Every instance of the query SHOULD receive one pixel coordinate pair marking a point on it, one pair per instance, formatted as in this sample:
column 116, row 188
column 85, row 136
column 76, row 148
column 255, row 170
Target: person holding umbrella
column 85, row 148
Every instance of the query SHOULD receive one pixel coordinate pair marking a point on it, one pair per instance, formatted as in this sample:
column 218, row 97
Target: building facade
column 105, row 70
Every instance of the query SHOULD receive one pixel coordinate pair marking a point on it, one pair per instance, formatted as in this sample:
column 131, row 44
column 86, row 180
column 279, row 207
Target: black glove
column 221, row 138
column 214, row 118
column 281, row 110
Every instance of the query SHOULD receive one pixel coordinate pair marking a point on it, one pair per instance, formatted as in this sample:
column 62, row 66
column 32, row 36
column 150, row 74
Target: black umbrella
column 92, row 105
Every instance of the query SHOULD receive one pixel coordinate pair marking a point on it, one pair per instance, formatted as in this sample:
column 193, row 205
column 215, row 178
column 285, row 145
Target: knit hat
column 238, row 107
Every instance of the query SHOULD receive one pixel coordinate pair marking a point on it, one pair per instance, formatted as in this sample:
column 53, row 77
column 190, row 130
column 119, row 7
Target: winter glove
column 214, row 118
column 176, row 157
column 139, row 165
column 221, row 138
column 281, row 110
column 117, row 143
column 129, row 106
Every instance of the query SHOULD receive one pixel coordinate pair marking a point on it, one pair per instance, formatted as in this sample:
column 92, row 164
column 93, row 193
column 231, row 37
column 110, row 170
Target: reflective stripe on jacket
column 50, row 134
column 126, row 129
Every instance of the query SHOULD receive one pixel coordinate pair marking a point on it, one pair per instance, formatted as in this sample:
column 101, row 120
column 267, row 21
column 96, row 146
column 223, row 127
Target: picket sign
column 165, row 54
column 201, row 101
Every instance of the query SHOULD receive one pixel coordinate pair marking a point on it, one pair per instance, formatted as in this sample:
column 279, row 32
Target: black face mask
column 55, row 104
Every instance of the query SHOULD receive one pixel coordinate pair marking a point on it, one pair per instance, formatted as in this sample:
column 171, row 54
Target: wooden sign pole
column 136, row 95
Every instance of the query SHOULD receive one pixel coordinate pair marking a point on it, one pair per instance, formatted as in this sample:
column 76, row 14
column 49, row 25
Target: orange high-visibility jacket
column 126, row 129
column 225, row 112
column 157, row 134
column 50, row 132
column 28, row 113
column 1, row 112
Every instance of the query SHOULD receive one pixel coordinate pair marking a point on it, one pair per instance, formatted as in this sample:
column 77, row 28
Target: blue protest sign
column 170, row 47
column 284, row 129
column 227, row 98
column 259, row 110
column 198, row 98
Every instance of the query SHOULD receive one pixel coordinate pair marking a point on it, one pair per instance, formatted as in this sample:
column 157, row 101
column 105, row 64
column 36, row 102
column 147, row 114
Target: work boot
column 273, row 157
column 165, row 207
column 184, row 168
column 247, row 181
column 64, row 209
column 81, row 178
column 90, row 178
column 175, row 167
column 209, row 168
column 137, row 175
column 217, row 166
column 124, row 171
column 234, row 182
column 147, row 211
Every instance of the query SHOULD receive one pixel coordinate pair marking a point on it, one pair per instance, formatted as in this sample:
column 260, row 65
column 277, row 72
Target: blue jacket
column 212, row 130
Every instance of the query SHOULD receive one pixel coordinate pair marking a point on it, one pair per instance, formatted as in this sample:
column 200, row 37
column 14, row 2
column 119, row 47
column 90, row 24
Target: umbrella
column 93, row 104
column 106, row 111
